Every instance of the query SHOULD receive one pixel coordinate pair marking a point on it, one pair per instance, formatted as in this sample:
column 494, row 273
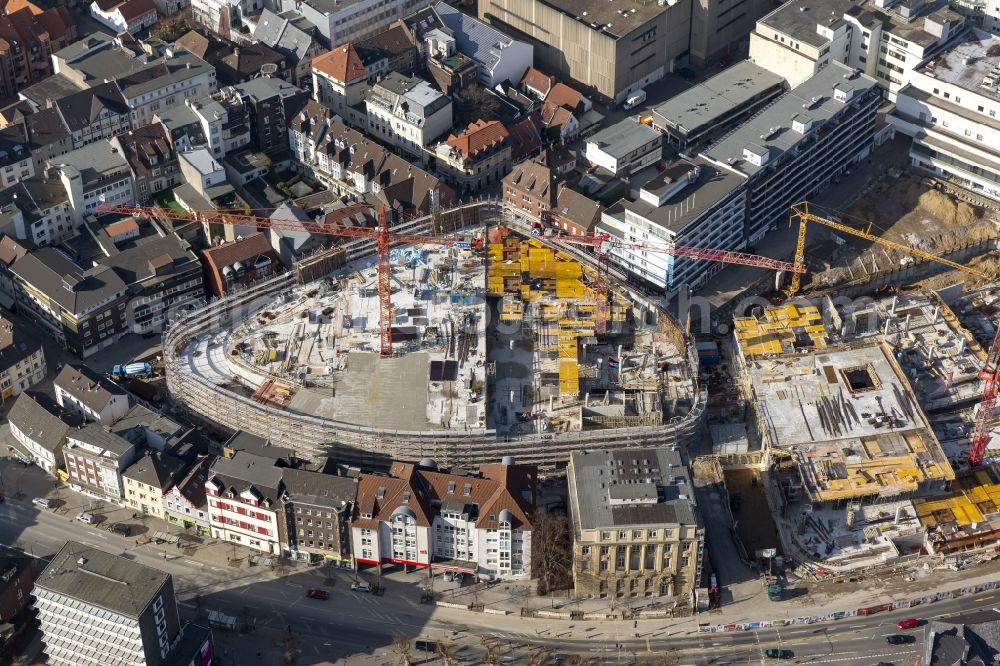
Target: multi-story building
column 636, row 529
column 883, row 39
column 147, row 429
column 796, row 146
column 40, row 428
column 270, row 102
column 244, row 502
column 99, row 608
column 148, row 479
column 39, row 211
column 950, row 108
column 625, row 148
column 93, row 175
column 498, row 56
column 224, row 121
column 95, row 460
column 340, row 82
column 15, row 160
column 224, row 16
column 22, row 360
column 17, row 575
column 421, row 516
column 184, row 503
column 150, row 155
column 83, row 310
column 96, row 113
column 478, row 157
column 354, row 166
column 239, row 264
column 348, row 21
column 30, row 35
column 407, row 112
column 162, row 273
column 318, row 510
column 595, row 43
column 394, row 46
column 120, row 16
column 531, row 188
column 79, row 389
column 291, row 35
column 152, row 77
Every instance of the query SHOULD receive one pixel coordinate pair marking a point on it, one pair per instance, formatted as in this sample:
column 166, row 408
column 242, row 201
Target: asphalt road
column 361, row 624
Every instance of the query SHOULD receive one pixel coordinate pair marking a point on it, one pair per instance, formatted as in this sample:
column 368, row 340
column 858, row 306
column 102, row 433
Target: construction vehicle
column 775, row 588
column 801, row 212
column 132, row 370
column 603, row 243
column 380, row 234
column 990, row 375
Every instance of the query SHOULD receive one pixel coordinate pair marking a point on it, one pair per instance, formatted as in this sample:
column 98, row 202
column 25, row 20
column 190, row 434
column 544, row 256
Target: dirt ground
column 754, row 524
column 909, row 211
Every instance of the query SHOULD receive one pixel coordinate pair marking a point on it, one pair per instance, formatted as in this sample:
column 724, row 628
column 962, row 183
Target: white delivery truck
column 635, row 99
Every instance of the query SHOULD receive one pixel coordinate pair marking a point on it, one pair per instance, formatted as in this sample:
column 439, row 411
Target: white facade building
column 951, row 108
column 82, row 391
column 500, row 58
column 41, row 433
column 243, row 495
column 408, row 112
column 343, row 21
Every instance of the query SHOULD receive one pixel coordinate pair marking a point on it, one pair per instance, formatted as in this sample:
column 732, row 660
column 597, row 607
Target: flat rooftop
column 799, row 18
column 771, row 130
column 623, row 137
column 968, row 64
column 850, row 420
column 618, row 18
column 700, row 106
column 912, row 28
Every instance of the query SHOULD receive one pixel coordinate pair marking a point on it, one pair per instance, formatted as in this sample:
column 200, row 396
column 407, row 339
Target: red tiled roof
column 537, row 80
column 128, row 225
column 341, row 64
column 479, row 136
column 379, row 496
column 133, row 9
column 525, row 137
column 250, row 247
column 12, row 6
column 562, row 95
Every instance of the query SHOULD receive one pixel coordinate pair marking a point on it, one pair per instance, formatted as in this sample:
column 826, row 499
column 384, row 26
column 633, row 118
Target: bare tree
column 291, row 648
column 491, row 651
column 403, row 647
column 448, row 652
column 541, row 657
column 551, row 552
column 668, row 658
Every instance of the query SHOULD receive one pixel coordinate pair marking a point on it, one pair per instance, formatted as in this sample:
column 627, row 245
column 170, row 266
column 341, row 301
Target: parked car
column 361, row 587
column 42, row 502
column 424, row 645
column 775, row 653
column 448, row 576
column 900, row 639
column 314, row 593
column 459, row 577
column 87, row 518
column 120, row 528
column 908, row 623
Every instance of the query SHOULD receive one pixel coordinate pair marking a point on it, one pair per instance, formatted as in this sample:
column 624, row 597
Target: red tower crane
column 381, row 234
column 990, row 374
column 603, row 243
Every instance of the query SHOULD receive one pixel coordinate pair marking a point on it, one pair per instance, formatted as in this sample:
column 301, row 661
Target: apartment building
column 83, row 309
column 224, row 120
column 354, row 166
column 95, row 460
column 340, row 82
column 407, row 112
column 532, row 187
column 636, row 529
column 151, row 157
column 269, row 102
column 223, row 17
column 185, row 502
column 39, row 426
column 15, row 159
column 81, row 390
column 885, row 39
column 499, row 57
column 609, row 48
column 476, row 158
column 17, row 575
column 291, row 35
column 147, row 429
column 244, row 502
column 950, row 108
column 797, row 145
column 96, row 113
column 350, row 21
column 22, row 360
column 30, row 35
column 148, row 479
column 98, row 608
column 420, row 516
column 38, row 209
column 152, row 76
column 239, row 263
column 120, row 16
column 93, row 175
column 318, row 514
column 624, row 148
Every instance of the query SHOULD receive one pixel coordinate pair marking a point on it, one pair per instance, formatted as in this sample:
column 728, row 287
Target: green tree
column 551, row 552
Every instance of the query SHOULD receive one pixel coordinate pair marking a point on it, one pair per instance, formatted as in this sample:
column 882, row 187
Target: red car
column 908, row 623
column 323, row 595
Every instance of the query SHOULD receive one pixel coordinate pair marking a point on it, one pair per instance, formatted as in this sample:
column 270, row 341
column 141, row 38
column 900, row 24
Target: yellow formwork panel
column 570, row 288
column 569, row 378
column 567, row 346
column 495, row 251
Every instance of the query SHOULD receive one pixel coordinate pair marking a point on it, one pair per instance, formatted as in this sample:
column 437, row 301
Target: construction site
column 494, row 350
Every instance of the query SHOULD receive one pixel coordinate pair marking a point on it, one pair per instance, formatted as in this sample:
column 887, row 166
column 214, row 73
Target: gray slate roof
column 50, row 272
column 102, row 579
column 244, row 470
column 623, row 137
column 140, row 416
column 86, row 386
column 82, row 109
column 327, row 490
column 133, row 265
column 94, row 434
column 473, row 37
column 156, row 469
column 643, row 474
column 281, row 32
column 39, row 419
column 964, row 639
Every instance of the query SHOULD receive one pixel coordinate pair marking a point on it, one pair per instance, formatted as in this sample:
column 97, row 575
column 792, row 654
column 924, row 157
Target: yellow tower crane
column 801, row 212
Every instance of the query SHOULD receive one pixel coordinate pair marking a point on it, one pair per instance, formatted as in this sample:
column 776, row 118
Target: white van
column 635, row 99
column 42, row 502
column 85, row 517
